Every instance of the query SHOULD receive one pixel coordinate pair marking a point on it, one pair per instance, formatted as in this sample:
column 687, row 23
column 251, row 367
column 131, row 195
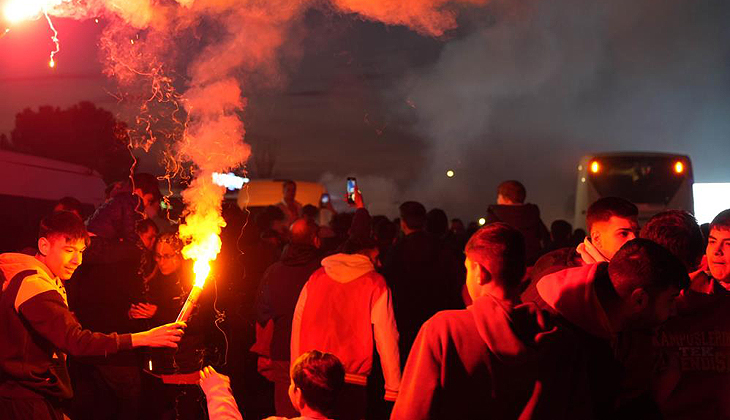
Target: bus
column 30, row 189
column 653, row 181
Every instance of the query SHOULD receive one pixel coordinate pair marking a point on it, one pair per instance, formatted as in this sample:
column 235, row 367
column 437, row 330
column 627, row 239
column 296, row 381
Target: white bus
column 653, row 181
column 30, row 188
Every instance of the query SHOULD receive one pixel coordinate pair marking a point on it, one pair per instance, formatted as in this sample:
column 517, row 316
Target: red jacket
column 344, row 306
column 491, row 360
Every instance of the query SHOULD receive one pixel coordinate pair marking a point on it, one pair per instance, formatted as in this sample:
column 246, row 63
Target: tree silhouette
column 82, row 134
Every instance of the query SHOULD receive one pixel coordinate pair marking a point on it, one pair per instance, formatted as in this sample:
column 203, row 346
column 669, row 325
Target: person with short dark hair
column 69, row 204
column 499, row 358
column 560, row 235
column 147, row 230
column 601, row 302
column 511, row 209
column 276, row 300
column 419, row 271
column 345, row 309
column 310, row 212
column 678, row 232
column 693, row 381
column 317, row 380
column 38, row 330
column 611, row 223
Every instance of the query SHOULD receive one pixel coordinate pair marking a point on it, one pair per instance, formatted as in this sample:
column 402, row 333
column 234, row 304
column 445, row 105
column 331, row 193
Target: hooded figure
column 491, row 360
column 498, row 358
column 344, row 309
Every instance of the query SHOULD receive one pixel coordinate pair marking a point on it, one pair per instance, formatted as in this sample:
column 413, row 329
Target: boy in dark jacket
column 498, row 358
column 37, row 329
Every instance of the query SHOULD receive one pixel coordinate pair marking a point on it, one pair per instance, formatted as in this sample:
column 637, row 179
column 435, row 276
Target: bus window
column 653, row 181
column 649, row 180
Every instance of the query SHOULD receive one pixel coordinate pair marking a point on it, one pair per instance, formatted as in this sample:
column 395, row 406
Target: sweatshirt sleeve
column 49, row 316
column 421, row 378
column 386, row 341
column 221, row 404
column 296, row 325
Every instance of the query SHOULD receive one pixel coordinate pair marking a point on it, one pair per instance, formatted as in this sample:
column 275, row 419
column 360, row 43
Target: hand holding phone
column 351, row 188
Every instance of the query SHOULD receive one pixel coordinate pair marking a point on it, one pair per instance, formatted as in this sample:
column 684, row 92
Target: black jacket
column 526, row 219
column 279, row 292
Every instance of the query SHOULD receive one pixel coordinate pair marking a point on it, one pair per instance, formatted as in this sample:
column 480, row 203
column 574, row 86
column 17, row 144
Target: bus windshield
column 639, row 179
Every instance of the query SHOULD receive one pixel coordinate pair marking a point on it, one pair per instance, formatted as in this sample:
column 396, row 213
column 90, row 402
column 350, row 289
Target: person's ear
column 639, row 299
column 44, row 246
column 483, row 275
column 596, row 238
column 296, row 398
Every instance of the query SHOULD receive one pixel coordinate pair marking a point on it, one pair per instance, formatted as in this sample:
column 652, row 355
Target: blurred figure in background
column 511, row 209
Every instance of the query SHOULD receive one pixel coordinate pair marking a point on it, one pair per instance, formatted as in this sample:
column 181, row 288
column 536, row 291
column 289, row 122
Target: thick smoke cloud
column 544, row 82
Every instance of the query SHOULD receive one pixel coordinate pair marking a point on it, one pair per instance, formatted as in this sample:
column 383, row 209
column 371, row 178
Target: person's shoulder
column 448, row 321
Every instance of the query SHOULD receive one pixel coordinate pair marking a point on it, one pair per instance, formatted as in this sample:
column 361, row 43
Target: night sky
column 520, row 90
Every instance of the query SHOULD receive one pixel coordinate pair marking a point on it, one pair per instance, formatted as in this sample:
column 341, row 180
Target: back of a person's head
column 321, row 377
column 677, row 231
column 561, row 230
column 384, row 231
column 512, row 191
column 288, row 183
column 642, row 263
column 413, row 215
column 436, row 222
column 303, row 231
column 63, row 224
column 69, row 204
column 504, row 246
column 721, row 221
column 358, row 245
column 603, row 209
column 268, row 216
column 310, row 211
column 147, row 183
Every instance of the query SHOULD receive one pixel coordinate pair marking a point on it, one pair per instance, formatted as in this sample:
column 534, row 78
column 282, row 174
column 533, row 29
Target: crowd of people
column 315, row 314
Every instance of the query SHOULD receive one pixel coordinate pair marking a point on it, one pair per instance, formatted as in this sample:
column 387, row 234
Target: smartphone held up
column 351, row 188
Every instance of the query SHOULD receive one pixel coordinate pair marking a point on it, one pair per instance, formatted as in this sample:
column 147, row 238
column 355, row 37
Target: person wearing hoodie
column 37, row 329
column 499, row 358
column 693, row 381
column 512, row 210
column 603, row 304
column 277, row 298
column 344, row 309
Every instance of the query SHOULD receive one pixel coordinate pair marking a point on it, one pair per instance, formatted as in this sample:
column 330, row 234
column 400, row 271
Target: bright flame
column 679, row 167
column 482, row 221
column 17, row 11
column 450, row 173
column 595, row 167
column 202, row 226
